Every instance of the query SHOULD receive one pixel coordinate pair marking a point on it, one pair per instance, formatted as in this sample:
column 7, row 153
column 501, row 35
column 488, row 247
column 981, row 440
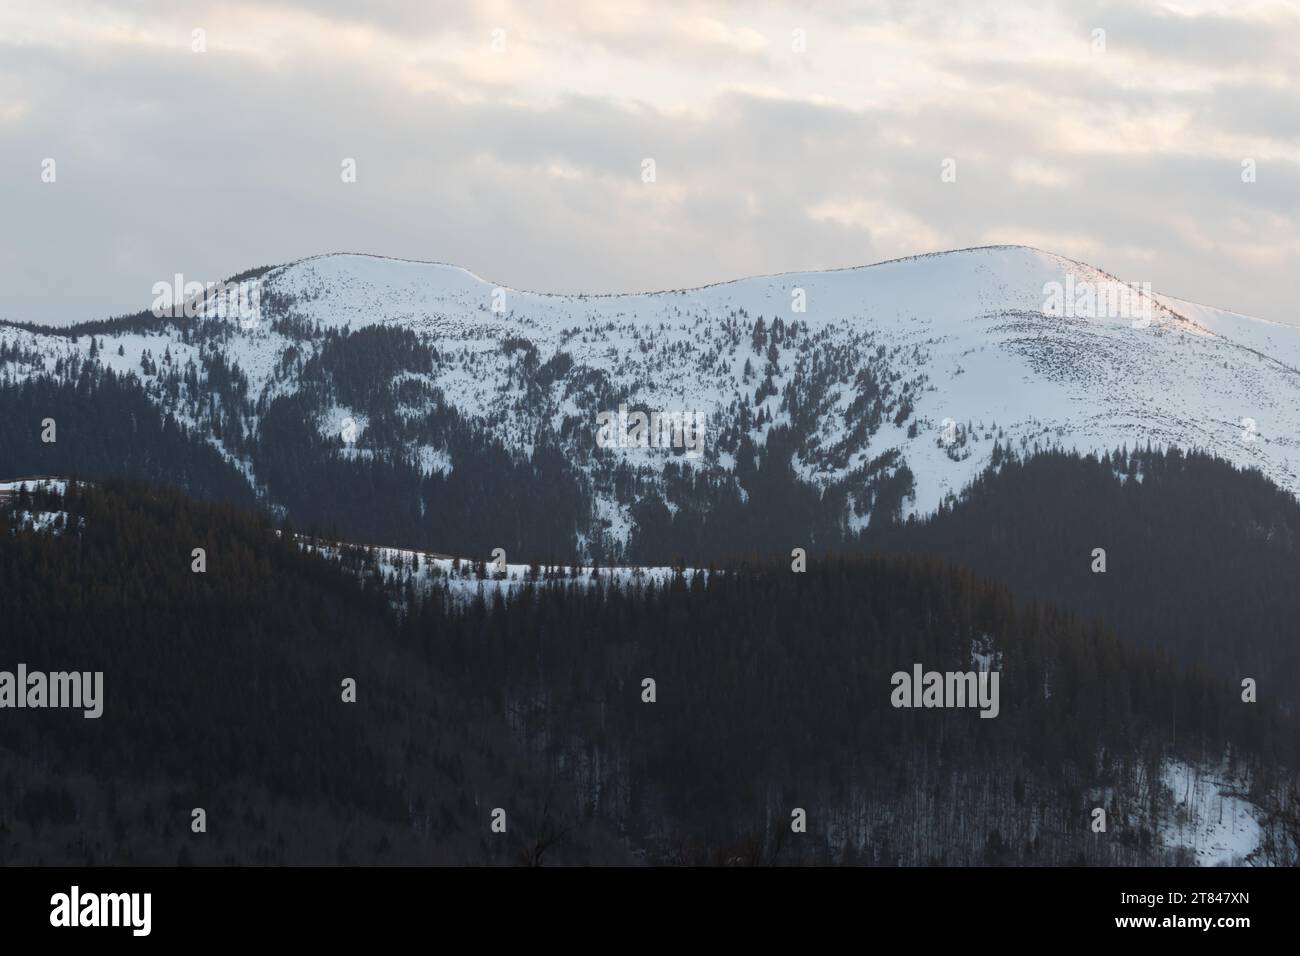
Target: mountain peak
column 887, row 386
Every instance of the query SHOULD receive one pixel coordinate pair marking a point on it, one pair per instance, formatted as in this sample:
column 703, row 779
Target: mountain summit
column 843, row 397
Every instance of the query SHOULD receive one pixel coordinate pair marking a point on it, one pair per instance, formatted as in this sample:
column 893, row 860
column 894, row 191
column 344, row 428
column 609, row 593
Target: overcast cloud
column 524, row 163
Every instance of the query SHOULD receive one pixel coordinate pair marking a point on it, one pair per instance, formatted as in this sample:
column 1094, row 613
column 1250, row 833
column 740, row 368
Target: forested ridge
column 222, row 690
column 105, row 427
column 1202, row 558
column 434, row 477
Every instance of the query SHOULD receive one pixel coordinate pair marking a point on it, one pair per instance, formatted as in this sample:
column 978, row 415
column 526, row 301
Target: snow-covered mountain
column 885, row 387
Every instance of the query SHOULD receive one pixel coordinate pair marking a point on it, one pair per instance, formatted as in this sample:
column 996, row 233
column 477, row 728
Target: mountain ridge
column 262, row 271
column 745, row 278
column 868, row 393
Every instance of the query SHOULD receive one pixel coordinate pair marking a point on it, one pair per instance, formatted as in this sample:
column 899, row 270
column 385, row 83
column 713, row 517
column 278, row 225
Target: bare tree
column 550, row 832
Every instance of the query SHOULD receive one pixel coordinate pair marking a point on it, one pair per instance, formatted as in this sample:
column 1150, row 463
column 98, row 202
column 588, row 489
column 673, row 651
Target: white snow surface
column 970, row 329
column 458, row 579
column 977, row 316
column 1207, row 816
column 47, row 484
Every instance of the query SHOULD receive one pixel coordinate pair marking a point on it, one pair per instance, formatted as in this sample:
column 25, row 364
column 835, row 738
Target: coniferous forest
column 700, row 435
column 222, row 691
column 772, row 691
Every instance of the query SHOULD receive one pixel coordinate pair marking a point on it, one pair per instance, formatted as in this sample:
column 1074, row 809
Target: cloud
column 1200, row 35
column 522, row 161
column 888, row 227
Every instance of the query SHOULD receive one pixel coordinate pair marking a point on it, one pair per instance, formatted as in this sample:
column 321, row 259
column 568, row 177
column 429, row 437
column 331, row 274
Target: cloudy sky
column 511, row 138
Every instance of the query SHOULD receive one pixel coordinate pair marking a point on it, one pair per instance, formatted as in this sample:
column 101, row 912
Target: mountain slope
column 221, row 690
column 429, row 390
column 1200, row 558
column 975, row 317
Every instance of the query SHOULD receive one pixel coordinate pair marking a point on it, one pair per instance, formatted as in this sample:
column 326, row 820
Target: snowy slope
column 959, row 338
column 975, row 317
column 463, row 580
column 1208, row 815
